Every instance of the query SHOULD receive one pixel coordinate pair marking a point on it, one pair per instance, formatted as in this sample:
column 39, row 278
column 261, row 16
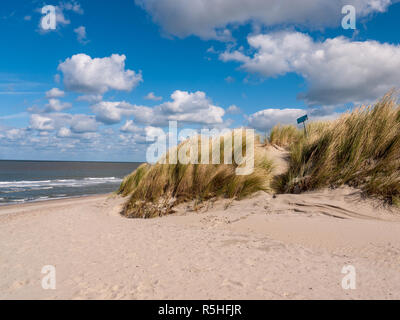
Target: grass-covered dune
column 154, row 189
column 360, row 149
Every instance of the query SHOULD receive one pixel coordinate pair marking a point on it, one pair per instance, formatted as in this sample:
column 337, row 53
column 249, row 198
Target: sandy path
column 280, row 158
column 263, row 248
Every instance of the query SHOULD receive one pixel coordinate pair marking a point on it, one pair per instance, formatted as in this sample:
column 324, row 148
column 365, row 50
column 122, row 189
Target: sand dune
column 287, row 247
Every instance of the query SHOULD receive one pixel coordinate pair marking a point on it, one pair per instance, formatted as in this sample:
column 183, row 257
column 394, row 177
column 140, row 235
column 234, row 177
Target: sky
column 114, row 72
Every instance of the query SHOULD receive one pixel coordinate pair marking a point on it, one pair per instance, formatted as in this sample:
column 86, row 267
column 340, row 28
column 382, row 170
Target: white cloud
column 153, row 97
column 266, row 119
column 130, row 127
column 112, row 112
column 55, row 93
column 82, row 123
column 81, row 34
column 63, row 143
column 185, row 107
column 15, row 134
column 64, row 132
column 152, row 132
column 76, row 123
column 99, row 75
column 135, row 133
column 209, row 18
column 132, row 139
column 56, row 105
column 41, row 123
column 336, row 70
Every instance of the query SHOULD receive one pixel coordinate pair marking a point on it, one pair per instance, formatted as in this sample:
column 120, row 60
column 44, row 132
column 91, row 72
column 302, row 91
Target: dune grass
column 284, row 136
column 131, row 181
column 360, row 149
column 289, row 135
column 155, row 189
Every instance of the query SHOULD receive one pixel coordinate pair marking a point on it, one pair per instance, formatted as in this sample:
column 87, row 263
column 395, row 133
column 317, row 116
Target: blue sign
column 302, row 119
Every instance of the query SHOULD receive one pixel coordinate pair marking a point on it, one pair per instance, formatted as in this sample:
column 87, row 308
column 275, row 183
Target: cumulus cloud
column 336, row 70
column 56, row 105
column 112, row 112
column 210, row 18
column 153, row 97
column 130, row 126
column 55, row 93
column 190, row 107
column 132, row 132
column 96, row 76
column 76, row 123
column 41, row 123
column 82, row 123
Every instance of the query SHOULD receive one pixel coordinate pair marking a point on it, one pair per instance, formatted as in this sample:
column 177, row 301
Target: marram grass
column 154, row 189
column 285, row 136
column 360, row 149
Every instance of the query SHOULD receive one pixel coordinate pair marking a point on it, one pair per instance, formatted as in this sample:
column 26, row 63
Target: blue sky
column 113, row 71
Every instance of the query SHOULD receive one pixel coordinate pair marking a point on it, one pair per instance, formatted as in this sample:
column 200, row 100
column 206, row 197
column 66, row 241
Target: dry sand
column 288, row 247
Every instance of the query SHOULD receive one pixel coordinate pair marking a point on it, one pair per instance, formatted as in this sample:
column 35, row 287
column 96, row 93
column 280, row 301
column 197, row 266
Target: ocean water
column 28, row 181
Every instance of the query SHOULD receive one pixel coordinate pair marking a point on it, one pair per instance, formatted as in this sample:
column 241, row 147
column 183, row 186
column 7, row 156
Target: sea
column 31, row 181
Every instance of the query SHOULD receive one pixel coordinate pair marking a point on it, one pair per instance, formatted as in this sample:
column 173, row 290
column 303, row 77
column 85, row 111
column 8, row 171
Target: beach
column 263, row 247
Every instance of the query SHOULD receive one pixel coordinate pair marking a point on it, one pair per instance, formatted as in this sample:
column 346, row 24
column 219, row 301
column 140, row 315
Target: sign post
column 303, row 120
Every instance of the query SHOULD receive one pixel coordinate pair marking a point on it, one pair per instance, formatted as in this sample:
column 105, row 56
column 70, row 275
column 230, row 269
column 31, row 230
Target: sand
column 287, row 247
